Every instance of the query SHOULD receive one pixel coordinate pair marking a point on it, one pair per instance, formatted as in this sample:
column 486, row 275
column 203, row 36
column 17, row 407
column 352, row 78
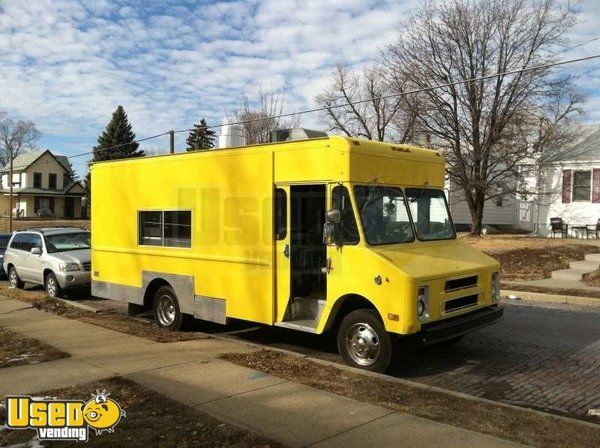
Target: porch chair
column 558, row 226
column 594, row 229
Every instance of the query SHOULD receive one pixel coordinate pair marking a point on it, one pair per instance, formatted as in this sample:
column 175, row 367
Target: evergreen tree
column 117, row 132
column 201, row 137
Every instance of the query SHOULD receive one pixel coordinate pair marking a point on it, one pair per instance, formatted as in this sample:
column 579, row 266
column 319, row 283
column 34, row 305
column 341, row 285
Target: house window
column 499, row 201
column 66, row 180
column 43, row 206
column 52, row 181
column 37, row 180
column 582, row 185
column 165, row 228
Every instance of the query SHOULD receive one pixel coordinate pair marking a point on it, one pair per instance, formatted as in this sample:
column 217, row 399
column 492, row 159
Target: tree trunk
column 477, row 214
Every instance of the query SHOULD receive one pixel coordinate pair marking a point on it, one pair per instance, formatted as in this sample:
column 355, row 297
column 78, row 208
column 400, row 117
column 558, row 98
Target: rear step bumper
column 457, row 326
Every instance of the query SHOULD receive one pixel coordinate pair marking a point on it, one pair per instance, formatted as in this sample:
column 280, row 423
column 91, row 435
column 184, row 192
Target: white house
column 569, row 182
column 566, row 184
column 43, row 186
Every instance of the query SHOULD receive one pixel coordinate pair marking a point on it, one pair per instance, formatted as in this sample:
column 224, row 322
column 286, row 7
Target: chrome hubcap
column 362, row 344
column 166, row 310
column 51, row 287
column 13, row 278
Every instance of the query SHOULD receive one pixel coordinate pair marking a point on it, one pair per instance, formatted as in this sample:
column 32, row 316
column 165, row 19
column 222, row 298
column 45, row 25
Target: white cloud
column 67, row 64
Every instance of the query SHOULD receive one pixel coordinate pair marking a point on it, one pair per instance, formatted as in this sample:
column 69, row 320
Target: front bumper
column 73, row 279
column 443, row 330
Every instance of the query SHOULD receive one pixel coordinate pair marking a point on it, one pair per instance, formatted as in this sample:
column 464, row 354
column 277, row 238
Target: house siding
column 552, row 197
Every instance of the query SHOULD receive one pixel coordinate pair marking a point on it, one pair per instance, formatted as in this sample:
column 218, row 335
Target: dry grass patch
column 151, row 420
column 111, row 320
column 17, row 350
column 530, row 258
column 20, row 224
column 500, row 421
column 593, row 278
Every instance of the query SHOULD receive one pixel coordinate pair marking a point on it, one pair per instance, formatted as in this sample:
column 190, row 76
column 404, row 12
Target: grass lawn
column 20, row 224
column 16, row 350
column 531, row 258
column 151, row 420
column 509, row 423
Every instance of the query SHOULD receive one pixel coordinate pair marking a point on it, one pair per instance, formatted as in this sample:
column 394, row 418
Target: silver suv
column 57, row 258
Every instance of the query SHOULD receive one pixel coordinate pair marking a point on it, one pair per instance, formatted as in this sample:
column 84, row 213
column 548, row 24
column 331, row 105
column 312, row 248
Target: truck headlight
column 68, row 267
column 495, row 286
column 423, row 303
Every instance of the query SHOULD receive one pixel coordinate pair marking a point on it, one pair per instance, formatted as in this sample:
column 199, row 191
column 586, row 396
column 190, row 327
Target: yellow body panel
column 233, row 254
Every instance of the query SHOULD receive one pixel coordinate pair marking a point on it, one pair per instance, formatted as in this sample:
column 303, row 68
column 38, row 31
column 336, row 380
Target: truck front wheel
column 166, row 309
column 363, row 341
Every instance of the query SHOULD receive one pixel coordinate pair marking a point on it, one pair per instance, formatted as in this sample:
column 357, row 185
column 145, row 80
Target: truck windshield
column 67, row 241
column 383, row 214
column 430, row 214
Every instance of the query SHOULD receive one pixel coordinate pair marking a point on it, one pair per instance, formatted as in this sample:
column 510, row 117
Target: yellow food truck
column 319, row 234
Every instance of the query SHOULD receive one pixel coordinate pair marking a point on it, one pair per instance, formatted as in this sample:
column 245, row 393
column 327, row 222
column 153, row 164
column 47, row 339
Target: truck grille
column 461, row 302
column 87, row 266
column 461, row 283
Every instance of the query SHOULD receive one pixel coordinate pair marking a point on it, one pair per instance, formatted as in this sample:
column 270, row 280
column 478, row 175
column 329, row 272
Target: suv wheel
column 14, row 279
column 53, row 289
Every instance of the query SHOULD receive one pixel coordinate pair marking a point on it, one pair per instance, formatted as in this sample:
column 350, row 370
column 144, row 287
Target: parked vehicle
column 311, row 235
column 4, row 239
column 56, row 257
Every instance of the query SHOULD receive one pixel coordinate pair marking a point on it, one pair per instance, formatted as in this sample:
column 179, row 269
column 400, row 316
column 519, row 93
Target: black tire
column 167, row 314
column 133, row 309
column 13, row 278
column 373, row 348
column 52, row 287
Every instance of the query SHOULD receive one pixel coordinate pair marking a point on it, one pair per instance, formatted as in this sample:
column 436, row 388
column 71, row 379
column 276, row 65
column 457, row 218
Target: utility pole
column 10, row 189
column 172, row 142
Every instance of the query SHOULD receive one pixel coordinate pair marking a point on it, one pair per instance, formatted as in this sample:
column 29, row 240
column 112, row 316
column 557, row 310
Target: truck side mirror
column 331, row 228
column 36, row 250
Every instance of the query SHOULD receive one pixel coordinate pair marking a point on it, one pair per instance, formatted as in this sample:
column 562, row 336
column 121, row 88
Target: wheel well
column 345, row 305
column 151, row 291
column 46, row 272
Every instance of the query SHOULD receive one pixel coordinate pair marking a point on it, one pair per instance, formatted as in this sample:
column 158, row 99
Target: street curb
column 75, row 304
column 552, row 298
column 409, row 383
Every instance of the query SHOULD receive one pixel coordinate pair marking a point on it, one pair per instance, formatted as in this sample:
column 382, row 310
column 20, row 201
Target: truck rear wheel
column 166, row 309
column 363, row 342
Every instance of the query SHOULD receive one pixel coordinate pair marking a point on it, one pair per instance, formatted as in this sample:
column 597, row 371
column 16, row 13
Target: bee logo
column 102, row 413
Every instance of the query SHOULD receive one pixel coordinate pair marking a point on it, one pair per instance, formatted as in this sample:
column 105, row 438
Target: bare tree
column 15, row 137
column 374, row 117
column 263, row 117
column 489, row 126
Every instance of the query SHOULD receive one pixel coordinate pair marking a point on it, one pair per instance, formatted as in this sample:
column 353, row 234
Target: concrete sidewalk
column 191, row 373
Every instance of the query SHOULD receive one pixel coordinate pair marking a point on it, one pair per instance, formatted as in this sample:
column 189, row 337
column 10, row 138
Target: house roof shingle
column 585, row 147
column 24, row 160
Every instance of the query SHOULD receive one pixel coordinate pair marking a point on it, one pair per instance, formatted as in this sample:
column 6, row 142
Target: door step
column 308, row 326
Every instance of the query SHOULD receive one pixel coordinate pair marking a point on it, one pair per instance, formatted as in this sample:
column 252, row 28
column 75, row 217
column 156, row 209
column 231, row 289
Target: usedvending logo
column 64, row 419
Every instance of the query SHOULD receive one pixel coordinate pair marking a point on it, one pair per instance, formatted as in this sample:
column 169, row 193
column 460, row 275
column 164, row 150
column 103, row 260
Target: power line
column 349, row 103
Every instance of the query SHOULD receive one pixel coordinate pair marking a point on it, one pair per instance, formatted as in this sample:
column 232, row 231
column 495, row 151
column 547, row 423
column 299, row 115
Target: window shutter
column 567, row 176
column 596, row 185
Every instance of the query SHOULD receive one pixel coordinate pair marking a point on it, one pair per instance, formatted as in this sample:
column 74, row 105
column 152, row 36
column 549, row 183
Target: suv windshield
column 430, row 214
column 383, row 214
column 62, row 242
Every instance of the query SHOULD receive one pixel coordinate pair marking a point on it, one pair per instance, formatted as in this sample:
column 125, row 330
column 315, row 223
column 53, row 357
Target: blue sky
column 67, row 64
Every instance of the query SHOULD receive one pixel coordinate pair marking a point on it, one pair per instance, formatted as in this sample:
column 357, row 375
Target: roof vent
column 231, row 135
column 286, row 135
